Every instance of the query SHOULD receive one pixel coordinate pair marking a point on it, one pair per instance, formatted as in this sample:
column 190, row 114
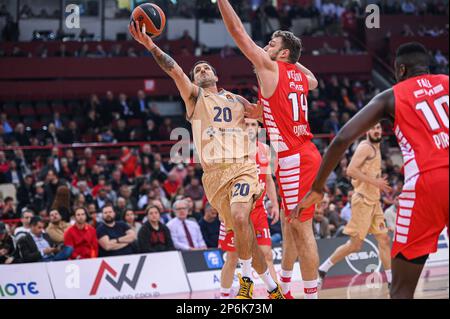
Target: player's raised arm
column 381, row 106
column 188, row 90
column 312, row 81
column 249, row 48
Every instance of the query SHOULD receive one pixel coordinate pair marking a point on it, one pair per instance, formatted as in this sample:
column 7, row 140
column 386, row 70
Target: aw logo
column 121, row 279
column 368, row 255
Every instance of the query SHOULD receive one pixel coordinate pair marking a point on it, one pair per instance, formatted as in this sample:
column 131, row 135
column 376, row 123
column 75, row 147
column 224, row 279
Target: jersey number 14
column 298, row 102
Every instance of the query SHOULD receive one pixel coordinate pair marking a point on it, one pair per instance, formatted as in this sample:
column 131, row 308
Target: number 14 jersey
column 285, row 113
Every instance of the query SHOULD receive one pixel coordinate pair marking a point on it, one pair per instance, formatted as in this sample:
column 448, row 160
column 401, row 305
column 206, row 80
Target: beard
column 108, row 220
column 375, row 140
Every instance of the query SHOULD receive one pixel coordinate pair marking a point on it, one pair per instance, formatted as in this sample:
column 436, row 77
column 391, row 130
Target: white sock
column 246, row 265
column 388, row 273
column 310, row 288
column 285, row 280
column 268, row 280
column 326, row 265
column 225, row 293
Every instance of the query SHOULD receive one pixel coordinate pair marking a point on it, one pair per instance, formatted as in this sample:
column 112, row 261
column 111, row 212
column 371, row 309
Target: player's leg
column 357, row 228
column 289, row 257
column 227, row 274
column 308, row 255
column 226, row 243
column 268, row 257
column 405, row 275
column 384, row 246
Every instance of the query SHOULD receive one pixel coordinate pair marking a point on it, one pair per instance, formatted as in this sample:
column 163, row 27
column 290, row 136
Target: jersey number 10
column 294, row 97
column 430, row 116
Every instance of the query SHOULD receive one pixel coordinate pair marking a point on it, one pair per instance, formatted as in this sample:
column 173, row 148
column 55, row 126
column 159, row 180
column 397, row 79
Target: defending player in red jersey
column 419, row 106
column 284, row 86
column 258, row 216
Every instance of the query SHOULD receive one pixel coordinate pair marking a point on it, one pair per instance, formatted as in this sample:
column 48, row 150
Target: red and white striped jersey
column 286, row 111
column 421, row 123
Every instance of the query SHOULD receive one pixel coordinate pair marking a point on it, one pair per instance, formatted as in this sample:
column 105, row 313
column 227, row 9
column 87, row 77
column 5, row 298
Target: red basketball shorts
column 261, row 225
column 422, row 214
column 295, row 175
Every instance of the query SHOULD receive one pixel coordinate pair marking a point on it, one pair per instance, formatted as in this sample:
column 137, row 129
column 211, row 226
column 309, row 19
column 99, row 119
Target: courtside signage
column 123, row 277
column 27, row 281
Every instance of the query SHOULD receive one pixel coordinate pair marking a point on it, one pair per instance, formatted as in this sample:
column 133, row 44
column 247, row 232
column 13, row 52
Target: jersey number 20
column 294, row 97
column 439, row 105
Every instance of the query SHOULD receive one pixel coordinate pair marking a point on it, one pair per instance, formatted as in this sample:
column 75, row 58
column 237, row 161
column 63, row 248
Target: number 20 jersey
column 421, row 123
column 286, row 111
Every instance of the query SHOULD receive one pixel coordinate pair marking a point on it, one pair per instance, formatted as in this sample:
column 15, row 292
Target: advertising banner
column 123, row 277
column 25, row 281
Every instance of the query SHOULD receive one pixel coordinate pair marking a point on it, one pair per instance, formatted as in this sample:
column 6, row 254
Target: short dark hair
column 150, row 207
column 108, row 205
column 9, row 199
column 291, row 43
column 26, row 211
column 412, row 54
column 191, row 73
column 83, row 209
column 35, row 220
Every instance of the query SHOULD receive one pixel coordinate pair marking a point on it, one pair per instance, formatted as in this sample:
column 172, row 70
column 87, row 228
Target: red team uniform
column 286, row 120
column 258, row 215
column 421, row 127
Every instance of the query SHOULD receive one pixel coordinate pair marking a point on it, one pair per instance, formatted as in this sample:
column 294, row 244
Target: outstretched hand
column 140, row 35
column 310, row 199
column 253, row 111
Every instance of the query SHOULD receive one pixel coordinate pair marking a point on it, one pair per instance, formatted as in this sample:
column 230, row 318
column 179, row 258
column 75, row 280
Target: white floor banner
column 130, row 277
column 25, row 281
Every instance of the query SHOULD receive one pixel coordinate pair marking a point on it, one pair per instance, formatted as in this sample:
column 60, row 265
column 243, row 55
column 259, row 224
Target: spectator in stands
column 154, row 236
column 320, row 223
column 94, row 217
column 141, row 104
column 407, row 31
column 440, row 58
column 115, row 238
column 210, row 226
column 7, row 247
column 25, row 192
column 408, row 7
column 100, row 52
column 108, row 106
column 25, row 219
column 56, row 227
column 121, row 133
column 101, row 200
column 37, row 245
column 129, row 161
column 131, row 52
column 14, row 174
column 172, row 185
column 83, row 52
column 39, row 202
column 165, row 130
column 20, row 135
column 62, row 202
column 186, row 234
column 331, row 125
column 82, row 237
column 130, row 218
column 71, row 134
column 8, row 211
column 125, row 110
column 194, row 189
column 18, row 53
column 194, row 212
column 62, row 51
column 150, row 133
column 7, row 128
column 4, row 168
column 117, row 50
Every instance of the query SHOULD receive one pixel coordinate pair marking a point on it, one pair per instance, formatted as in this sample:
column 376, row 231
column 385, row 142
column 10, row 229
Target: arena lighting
column 213, row 1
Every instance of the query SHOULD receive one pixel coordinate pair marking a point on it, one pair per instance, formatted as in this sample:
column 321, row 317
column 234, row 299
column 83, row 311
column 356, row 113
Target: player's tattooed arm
column 165, row 61
column 188, row 91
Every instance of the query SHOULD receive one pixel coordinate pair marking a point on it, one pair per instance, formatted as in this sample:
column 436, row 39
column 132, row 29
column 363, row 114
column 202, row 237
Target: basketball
column 152, row 16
